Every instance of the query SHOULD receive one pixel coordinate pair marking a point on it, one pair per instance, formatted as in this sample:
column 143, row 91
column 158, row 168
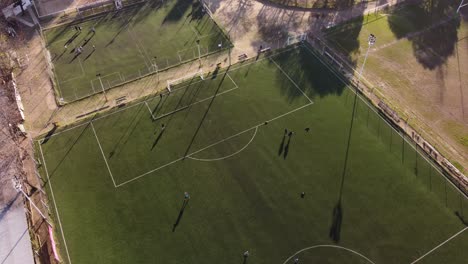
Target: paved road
column 15, row 245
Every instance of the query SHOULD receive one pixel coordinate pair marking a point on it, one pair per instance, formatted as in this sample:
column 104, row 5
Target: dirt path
column 251, row 23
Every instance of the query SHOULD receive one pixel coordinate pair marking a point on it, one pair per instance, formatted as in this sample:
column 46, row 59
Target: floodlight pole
column 19, row 188
column 371, row 42
column 102, row 86
column 199, row 54
column 462, row 4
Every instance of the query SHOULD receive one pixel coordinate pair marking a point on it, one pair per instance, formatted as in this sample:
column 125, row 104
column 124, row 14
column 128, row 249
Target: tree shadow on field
column 178, row 10
column 431, row 27
column 308, row 74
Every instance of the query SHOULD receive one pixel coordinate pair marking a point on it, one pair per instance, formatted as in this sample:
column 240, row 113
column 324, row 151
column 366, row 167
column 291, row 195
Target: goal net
column 188, row 77
column 296, row 38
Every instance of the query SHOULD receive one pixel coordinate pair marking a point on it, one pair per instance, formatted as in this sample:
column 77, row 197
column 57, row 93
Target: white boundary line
column 197, row 151
column 228, row 156
column 423, row 155
column 329, row 246
column 55, row 204
column 294, row 83
column 441, row 244
column 232, row 80
column 102, row 152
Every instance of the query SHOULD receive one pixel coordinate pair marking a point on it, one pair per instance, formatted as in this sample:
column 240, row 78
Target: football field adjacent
column 123, row 45
column 116, row 183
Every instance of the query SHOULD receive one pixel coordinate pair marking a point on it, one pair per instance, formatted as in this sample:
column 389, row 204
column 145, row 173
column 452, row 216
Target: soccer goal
column 173, row 82
column 296, row 38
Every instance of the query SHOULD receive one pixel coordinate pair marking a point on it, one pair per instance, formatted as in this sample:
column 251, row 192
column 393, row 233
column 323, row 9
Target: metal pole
column 102, row 86
column 371, row 42
column 17, row 185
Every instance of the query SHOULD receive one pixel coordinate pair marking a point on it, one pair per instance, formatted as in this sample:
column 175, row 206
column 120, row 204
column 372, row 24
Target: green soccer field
column 127, row 44
column 117, row 182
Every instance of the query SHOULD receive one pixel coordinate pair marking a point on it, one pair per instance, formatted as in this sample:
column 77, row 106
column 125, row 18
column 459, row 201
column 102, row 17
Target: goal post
column 187, row 77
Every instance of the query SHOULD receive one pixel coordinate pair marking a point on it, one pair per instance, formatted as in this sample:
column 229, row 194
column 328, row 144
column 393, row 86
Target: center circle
column 328, row 254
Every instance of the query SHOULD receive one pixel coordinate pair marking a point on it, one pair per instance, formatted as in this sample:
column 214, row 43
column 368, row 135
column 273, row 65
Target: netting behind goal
column 296, row 38
column 188, row 77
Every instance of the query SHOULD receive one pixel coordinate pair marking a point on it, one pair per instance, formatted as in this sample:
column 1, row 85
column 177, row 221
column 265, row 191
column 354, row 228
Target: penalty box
column 199, row 113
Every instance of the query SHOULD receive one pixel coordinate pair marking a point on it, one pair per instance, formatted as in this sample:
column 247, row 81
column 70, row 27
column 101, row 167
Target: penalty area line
column 104, row 156
column 211, row 145
column 441, row 244
column 295, row 84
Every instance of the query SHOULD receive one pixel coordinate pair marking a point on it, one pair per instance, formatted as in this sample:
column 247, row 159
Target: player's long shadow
column 281, row 147
column 179, row 217
column 286, row 149
column 157, row 139
column 89, row 55
column 129, row 130
column 205, row 114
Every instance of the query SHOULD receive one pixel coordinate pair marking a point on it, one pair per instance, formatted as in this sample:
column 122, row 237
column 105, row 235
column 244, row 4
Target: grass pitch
column 128, row 44
column 117, row 182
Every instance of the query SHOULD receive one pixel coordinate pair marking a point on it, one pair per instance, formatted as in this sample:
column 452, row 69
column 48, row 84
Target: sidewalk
column 15, row 244
column 252, row 23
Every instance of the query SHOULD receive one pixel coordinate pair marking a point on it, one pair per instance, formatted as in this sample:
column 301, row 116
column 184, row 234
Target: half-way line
column 209, row 146
column 295, row 84
column 104, row 156
column 55, row 204
column 441, row 244
column 230, row 155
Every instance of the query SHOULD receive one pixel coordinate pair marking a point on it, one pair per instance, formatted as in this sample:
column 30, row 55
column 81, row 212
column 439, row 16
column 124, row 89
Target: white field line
column 81, row 66
column 228, row 156
column 55, row 204
column 211, row 145
column 441, row 244
column 328, row 246
column 148, row 172
column 187, row 106
column 232, row 80
column 290, row 79
column 103, row 155
column 166, row 93
column 149, row 109
column 135, row 38
column 423, row 155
